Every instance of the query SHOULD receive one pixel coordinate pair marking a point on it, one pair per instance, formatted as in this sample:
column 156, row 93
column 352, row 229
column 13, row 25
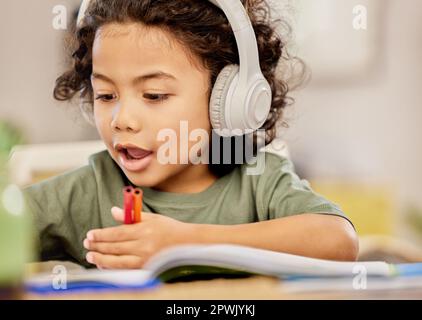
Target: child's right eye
column 105, row 97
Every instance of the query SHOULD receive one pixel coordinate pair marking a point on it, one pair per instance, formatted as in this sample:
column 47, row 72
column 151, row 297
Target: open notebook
column 189, row 262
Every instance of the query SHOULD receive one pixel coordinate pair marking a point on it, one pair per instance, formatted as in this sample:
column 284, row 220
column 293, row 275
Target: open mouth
column 132, row 153
column 133, row 158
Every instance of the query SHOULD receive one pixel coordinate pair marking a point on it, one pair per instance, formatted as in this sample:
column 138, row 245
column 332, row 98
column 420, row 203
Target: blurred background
column 355, row 128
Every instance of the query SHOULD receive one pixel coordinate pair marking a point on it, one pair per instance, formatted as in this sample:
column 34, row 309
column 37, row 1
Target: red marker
column 128, row 204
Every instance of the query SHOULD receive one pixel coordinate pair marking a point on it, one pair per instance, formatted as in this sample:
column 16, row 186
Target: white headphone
column 241, row 98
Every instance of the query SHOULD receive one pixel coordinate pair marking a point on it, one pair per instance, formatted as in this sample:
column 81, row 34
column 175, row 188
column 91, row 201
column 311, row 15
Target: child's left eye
column 155, row 97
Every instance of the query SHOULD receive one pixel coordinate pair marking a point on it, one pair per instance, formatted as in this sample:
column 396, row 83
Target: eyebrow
column 139, row 79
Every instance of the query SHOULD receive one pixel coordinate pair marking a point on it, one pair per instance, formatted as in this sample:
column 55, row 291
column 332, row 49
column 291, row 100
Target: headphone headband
column 241, row 26
column 245, row 38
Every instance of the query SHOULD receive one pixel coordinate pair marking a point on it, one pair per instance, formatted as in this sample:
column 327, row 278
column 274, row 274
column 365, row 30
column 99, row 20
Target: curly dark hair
column 199, row 26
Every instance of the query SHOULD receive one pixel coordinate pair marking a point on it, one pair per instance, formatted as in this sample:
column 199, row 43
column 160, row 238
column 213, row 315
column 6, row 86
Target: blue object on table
column 409, row 270
column 95, row 286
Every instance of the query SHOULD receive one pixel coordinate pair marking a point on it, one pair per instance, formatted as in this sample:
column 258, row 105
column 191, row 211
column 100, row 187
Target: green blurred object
column 14, row 225
column 10, row 136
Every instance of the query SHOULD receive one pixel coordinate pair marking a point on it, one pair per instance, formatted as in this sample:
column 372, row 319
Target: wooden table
column 254, row 288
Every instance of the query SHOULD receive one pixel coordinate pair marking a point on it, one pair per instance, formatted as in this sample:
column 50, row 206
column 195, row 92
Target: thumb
column 118, row 214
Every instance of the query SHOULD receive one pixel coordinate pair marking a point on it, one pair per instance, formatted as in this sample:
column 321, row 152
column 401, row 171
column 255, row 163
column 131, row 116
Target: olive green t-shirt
column 66, row 207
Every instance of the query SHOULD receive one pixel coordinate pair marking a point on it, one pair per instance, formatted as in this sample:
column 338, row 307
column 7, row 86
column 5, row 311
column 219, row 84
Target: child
column 144, row 66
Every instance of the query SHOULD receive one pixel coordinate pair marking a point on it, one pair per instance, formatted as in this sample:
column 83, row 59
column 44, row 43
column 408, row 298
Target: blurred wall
column 30, row 61
column 368, row 128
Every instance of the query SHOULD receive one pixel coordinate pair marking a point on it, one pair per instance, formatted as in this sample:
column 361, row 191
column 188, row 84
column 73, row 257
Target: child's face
column 133, row 110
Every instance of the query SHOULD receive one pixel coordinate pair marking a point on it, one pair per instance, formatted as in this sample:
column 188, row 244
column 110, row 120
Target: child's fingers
column 114, row 262
column 114, row 248
column 114, row 234
column 118, row 214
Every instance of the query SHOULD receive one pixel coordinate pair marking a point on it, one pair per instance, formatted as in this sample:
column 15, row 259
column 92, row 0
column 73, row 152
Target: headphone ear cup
column 218, row 101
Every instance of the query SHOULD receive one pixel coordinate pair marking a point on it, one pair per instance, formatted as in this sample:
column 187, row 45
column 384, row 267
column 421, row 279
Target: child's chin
column 143, row 178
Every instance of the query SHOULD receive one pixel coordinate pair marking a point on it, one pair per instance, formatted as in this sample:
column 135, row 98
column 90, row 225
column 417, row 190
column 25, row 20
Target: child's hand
column 130, row 246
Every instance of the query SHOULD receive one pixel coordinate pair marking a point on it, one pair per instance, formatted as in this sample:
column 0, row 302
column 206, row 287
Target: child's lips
column 135, row 164
column 133, row 158
column 137, row 153
column 128, row 146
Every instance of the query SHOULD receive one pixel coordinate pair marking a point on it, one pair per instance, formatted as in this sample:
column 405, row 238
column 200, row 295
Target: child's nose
column 125, row 120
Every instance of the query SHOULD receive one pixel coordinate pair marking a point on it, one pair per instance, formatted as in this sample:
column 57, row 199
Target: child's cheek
column 103, row 126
